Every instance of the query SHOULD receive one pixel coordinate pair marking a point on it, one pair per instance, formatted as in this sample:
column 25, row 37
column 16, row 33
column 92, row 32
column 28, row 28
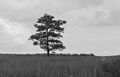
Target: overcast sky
column 93, row 26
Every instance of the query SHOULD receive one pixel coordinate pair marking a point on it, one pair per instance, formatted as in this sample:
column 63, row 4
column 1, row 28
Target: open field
column 53, row 66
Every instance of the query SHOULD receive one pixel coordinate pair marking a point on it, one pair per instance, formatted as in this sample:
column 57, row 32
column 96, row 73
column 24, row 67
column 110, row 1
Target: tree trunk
column 47, row 42
column 48, row 52
column 48, row 47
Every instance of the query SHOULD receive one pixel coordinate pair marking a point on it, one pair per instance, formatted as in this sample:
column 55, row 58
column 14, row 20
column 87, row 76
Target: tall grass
column 55, row 66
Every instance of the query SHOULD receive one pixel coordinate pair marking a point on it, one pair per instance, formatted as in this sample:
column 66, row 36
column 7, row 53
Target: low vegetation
column 53, row 66
column 112, row 68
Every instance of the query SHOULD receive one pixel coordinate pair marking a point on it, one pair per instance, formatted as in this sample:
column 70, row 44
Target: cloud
column 29, row 10
column 15, row 4
column 16, row 31
column 14, row 37
column 106, row 14
column 94, row 12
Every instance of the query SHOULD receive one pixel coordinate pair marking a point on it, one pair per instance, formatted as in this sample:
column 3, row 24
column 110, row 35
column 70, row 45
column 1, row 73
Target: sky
column 93, row 26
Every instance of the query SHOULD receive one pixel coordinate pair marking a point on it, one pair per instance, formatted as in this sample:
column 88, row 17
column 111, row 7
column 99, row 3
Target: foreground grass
column 54, row 66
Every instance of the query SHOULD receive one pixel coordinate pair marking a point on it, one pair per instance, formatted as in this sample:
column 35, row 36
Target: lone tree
column 48, row 33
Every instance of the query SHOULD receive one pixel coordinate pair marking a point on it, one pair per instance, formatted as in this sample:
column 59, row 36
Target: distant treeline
column 53, row 54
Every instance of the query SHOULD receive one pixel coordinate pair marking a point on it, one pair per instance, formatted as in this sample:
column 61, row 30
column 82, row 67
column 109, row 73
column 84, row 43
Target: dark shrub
column 112, row 68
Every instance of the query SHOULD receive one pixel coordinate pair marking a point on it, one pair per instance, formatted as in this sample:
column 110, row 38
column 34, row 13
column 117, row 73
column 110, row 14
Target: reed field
column 53, row 66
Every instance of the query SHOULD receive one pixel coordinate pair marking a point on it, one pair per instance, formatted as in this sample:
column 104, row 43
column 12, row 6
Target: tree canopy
column 48, row 33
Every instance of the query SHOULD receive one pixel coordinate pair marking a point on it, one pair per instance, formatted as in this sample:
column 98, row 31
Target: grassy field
column 53, row 66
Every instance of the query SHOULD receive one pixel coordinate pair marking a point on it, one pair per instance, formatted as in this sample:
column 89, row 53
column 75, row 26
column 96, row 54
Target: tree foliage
column 48, row 33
